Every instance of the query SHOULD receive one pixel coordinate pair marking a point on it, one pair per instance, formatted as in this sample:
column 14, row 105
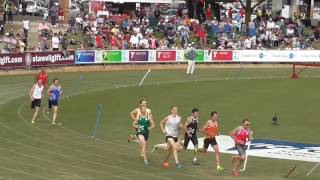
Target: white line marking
column 144, row 77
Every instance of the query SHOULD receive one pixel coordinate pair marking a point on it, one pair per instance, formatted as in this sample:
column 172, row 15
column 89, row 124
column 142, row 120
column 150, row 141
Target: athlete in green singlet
column 143, row 123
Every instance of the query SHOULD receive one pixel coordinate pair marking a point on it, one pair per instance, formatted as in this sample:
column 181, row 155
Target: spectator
column 290, row 31
column 153, row 44
column 270, row 24
column 134, row 41
column 64, row 42
column 247, row 43
column 24, row 7
column 99, row 41
column 26, row 27
column 61, row 16
column 54, row 14
column 5, row 7
column 10, row 10
column 55, row 42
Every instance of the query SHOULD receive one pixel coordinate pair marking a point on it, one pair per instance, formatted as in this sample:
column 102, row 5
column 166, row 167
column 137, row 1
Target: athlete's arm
column 135, row 124
column 164, row 121
column 186, row 124
column 31, row 92
column 61, row 92
column 205, row 126
column 49, row 91
column 218, row 129
column 250, row 135
column 152, row 123
column 233, row 134
column 133, row 114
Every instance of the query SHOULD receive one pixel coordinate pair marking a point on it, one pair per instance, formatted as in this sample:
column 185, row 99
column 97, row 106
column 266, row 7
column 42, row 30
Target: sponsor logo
column 270, row 149
column 52, row 58
column 291, row 56
column 10, row 60
column 28, row 59
column 166, row 56
column 261, row 55
column 222, row 56
column 138, row 55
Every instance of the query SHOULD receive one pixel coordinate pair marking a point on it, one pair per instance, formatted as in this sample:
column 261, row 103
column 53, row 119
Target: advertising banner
column 111, row 56
column 221, row 56
column 11, row 60
column 166, row 56
column 138, row 56
column 276, row 56
column 49, row 58
column 275, row 149
column 199, row 55
column 85, row 57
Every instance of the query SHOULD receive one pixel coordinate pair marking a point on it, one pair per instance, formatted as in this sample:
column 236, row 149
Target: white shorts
column 61, row 18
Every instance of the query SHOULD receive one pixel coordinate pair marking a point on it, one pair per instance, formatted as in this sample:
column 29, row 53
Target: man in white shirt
column 55, row 42
column 270, row 24
column 26, row 26
column 134, row 41
column 247, row 43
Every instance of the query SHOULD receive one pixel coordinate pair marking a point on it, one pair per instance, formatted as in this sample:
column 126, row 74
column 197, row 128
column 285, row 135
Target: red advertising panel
column 164, row 56
column 49, row 58
column 11, row 60
column 222, row 56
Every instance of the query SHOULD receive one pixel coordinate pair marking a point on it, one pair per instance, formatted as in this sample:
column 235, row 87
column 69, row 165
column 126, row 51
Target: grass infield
column 67, row 152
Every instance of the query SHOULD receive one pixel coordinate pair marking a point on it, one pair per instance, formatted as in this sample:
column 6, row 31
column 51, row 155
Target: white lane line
column 39, row 167
column 60, row 163
column 78, row 159
column 23, row 172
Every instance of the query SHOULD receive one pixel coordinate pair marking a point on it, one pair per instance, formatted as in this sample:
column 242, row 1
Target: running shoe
column 179, row 166
column 165, row 164
column 153, row 149
column 146, row 162
column 195, row 162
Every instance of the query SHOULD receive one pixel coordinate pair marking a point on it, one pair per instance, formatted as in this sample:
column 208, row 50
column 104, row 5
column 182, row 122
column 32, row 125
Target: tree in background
column 247, row 6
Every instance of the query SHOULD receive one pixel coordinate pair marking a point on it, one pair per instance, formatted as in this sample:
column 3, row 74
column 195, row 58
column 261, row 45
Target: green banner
column 111, row 56
column 199, row 55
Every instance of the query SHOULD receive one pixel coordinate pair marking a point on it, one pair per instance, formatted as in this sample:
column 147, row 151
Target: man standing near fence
column 191, row 56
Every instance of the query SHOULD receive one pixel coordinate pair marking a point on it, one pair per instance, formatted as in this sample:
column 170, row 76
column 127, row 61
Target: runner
column 36, row 96
column 240, row 135
column 54, row 93
column 171, row 126
column 144, row 123
column 135, row 114
column 191, row 127
column 43, row 76
column 211, row 130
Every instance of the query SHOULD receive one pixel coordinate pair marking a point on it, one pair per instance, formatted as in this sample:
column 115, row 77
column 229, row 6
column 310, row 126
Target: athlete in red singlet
column 211, row 130
column 241, row 135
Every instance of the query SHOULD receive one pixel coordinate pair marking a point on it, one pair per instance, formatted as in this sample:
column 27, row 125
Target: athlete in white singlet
column 171, row 126
column 36, row 96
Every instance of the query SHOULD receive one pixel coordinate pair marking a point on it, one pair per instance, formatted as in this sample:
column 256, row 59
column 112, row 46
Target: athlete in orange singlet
column 211, row 130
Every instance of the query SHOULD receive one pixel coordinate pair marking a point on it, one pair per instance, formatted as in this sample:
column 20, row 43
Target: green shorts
column 146, row 136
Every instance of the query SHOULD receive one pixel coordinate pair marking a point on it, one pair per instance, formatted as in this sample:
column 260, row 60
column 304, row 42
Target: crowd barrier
column 53, row 58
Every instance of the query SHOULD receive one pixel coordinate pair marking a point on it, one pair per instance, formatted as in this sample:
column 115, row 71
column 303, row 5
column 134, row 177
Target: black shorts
column 146, row 136
column 209, row 141
column 35, row 103
column 171, row 137
column 51, row 104
column 193, row 139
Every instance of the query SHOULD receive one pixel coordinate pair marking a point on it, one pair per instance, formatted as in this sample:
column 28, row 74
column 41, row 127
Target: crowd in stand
column 147, row 29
